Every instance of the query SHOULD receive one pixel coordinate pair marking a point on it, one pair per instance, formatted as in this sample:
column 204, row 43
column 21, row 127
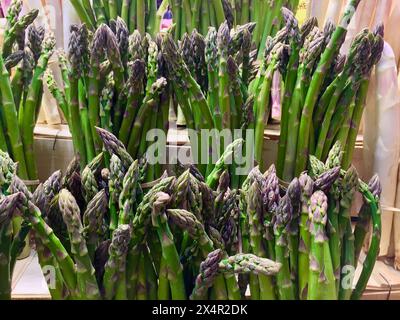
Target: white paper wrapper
column 317, row 8
column 392, row 30
column 334, row 10
column 382, row 12
column 381, row 142
column 396, row 227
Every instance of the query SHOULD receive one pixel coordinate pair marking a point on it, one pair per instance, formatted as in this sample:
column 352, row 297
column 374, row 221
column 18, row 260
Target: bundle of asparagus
column 12, row 243
column 122, row 241
column 108, row 237
column 187, row 15
column 114, row 81
column 25, row 54
column 307, row 229
column 325, row 95
column 142, row 15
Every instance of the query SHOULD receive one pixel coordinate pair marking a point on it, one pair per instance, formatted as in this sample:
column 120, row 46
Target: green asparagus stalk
column 129, row 192
column 373, row 251
column 307, row 187
column 262, row 103
column 349, row 185
column 115, row 147
column 321, row 283
column 207, row 274
column 249, row 263
column 364, row 218
column 308, row 55
column 86, row 280
column 150, row 104
column 169, row 252
column 282, row 219
column 140, row 17
column 115, row 269
column 97, row 53
column 93, row 221
column 83, row 14
column 254, row 212
column 7, row 210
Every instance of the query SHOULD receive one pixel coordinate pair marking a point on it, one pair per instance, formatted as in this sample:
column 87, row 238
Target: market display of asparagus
column 107, row 235
column 25, row 55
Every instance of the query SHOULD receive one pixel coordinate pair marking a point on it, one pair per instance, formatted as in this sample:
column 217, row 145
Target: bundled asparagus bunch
column 191, row 15
column 115, row 81
column 325, row 92
column 142, row 15
column 25, row 54
column 187, row 15
column 12, row 242
column 108, row 236
column 306, row 227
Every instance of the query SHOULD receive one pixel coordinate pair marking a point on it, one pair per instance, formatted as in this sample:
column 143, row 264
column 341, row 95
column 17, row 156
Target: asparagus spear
column 282, row 219
column 135, row 92
column 93, row 221
column 274, row 59
column 308, row 56
column 307, row 187
column 321, row 283
column 363, row 223
column 86, row 280
column 211, row 55
column 29, row 111
column 294, row 194
column 50, row 240
column 97, row 53
column 115, row 269
column 249, row 263
column 75, row 57
column 129, row 194
column 115, row 188
column 89, row 181
column 369, row 262
column 7, row 210
column 349, row 188
column 114, row 146
column 207, row 274
column 169, row 252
